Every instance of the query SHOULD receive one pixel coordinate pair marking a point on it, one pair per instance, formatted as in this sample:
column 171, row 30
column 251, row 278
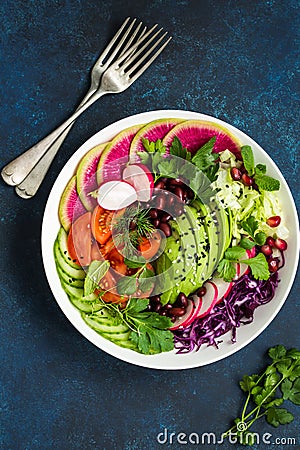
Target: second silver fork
column 32, row 180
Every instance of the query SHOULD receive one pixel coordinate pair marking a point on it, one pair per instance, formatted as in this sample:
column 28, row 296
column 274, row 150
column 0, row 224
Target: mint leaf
column 259, row 267
column 260, row 169
column 277, row 416
column 235, row 253
column 247, row 243
column 95, row 272
column 248, row 158
column 266, row 183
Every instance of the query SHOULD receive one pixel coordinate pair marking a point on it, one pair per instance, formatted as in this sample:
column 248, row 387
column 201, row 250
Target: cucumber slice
column 72, row 291
column 72, row 272
column 116, row 337
column 68, row 280
column 126, row 344
column 62, row 239
column 107, row 327
column 86, row 306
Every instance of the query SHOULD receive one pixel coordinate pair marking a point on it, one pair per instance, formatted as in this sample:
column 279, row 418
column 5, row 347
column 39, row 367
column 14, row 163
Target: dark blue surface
column 236, row 60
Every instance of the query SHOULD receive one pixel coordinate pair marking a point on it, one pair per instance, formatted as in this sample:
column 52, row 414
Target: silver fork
column 29, row 186
column 118, row 77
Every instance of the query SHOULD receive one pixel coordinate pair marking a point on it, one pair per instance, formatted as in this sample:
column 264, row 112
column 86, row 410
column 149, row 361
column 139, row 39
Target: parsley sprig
column 263, row 181
column 267, row 392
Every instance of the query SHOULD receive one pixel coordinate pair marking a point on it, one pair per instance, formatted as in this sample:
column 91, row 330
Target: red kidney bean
column 157, row 307
column 190, row 193
column 153, row 214
column 165, row 217
column 155, row 299
column 175, row 182
column 156, row 223
column 201, row 291
column 162, row 312
column 168, row 306
column 179, row 192
column 165, row 228
column 160, row 202
column 181, row 298
column 160, row 184
column 177, row 312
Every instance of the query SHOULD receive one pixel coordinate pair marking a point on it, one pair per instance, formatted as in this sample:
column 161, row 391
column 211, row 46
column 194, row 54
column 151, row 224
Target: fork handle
column 18, row 169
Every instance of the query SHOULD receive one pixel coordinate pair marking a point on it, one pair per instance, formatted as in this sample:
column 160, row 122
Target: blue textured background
column 236, row 60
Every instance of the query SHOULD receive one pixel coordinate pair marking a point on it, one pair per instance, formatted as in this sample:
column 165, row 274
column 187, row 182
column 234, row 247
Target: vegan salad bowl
column 170, row 239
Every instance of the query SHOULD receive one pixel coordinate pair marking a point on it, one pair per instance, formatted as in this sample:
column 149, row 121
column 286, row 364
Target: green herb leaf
column 148, row 146
column 146, row 280
column 136, row 305
column 248, row 382
column 259, row 267
column 235, row 253
column 204, row 157
column 260, row 169
column 294, row 354
column 291, row 391
column 145, row 158
column 250, row 226
column 95, row 272
column 277, row 352
column 266, row 183
column 277, row 416
column 226, row 270
column 126, row 285
column 247, row 243
column 136, row 263
column 248, row 158
column 176, row 149
column 260, row 238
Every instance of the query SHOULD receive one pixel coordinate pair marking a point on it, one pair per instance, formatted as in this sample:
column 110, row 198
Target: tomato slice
column 80, row 240
column 117, row 261
column 150, row 246
column 101, row 224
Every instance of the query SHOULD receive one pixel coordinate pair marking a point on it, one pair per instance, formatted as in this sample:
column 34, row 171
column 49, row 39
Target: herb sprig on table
column 280, row 381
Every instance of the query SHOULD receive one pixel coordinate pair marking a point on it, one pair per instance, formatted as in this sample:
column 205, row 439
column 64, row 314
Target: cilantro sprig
column 258, row 172
column 266, row 393
column 227, row 266
column 250, row 226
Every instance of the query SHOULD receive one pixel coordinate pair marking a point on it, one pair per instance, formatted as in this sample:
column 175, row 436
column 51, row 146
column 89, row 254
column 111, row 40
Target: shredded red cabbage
column 238, row 308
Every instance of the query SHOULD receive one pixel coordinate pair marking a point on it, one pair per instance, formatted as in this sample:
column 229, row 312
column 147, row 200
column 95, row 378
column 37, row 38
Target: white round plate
column 170, row 361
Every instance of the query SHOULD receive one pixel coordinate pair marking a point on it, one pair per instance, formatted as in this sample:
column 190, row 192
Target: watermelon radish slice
column 115, row 155
column 223, row 288
column 141, row 179
column 193, row 134
column 115, row 195
column 86, row 176
column 208, row 300
column 157, row 129
column 190, row 315
column 70, row 206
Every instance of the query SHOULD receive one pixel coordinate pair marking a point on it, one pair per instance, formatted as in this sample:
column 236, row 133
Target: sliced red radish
column 141, row 179
column 190, row 315
column 208, row 300
column 115, row 195
column 223, row 288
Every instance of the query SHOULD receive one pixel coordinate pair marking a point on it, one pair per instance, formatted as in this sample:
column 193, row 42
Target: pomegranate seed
column 266, row 250
column 235, row 174
column 273, row 265
column 274, row 221
column 248, row 181
column 270, row 241
column 280, row 244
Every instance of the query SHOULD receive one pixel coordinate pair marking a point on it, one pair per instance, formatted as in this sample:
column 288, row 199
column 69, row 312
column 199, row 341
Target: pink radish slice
column 115, row 195
column 208, row 300
column 223, row 288
column 189, row 316
column 197, row 306
column 244, row 268
column 141, row 179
